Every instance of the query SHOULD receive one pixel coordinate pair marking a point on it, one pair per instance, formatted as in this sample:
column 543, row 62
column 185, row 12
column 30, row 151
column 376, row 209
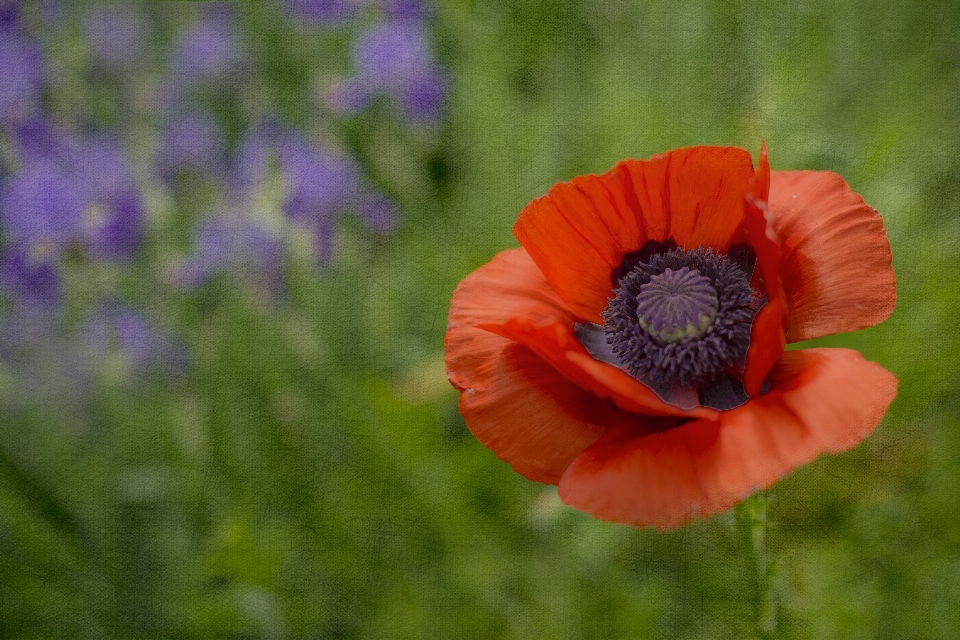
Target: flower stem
column 750, row 521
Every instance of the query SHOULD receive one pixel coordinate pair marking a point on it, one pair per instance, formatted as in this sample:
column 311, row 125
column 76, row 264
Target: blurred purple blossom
column 9, row 14
column 348, row 96
column 320, row 183
column 70, row 190
column 116, row 33
column 102, row 162
column 208, row 51
column 322, row 12
column 193, row 141
column 394, row 58
column 406, row 9
column 424, row 97
column 113, row 216
column 39, row 137
column 379, row 213
column 252, row 161
column 22, row 73
column 390, row 53
column 42, row 207
column 30, row 282
column 254, row 157
column 116, row 327
column 323, row 240
column 236, row 245
column 113, row 224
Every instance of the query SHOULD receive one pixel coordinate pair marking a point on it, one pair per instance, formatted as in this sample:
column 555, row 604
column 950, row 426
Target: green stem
column 750, row 519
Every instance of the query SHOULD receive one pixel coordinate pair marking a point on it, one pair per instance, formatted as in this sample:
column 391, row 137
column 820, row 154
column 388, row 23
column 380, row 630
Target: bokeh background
column 230, row 233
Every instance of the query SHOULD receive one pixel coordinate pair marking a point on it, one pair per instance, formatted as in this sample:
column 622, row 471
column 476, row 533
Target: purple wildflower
column 113, row 224
column 113, row 216
column 116, row 33
column 117, row 328
column 406, row 9
column 69, row 190
column 115, row 325
column 379, row 213
column 102, row 162
column 323, row 240
column 9, row 14
column 320, row 183
column 394, row 58
column 252, row 161
column 424, row 96
column 39, row 137
column 391, row 53
column 236, row 245
column 256, row 153
column 349, row 95
column 34, row 283
column 22, row 70
column 322, row 12
column 42, row 207
column 208, row 51
column 193, row 141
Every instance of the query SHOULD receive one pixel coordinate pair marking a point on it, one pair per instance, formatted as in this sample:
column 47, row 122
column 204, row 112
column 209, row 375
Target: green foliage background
column 311, row 477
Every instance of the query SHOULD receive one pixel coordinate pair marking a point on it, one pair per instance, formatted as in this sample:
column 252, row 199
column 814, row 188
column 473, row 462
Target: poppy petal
column 761, row 233
column 821, row 400
column 520, row 408
column 578, row 233
column 767, row 342
column 557, row 345
column 509, row 286
column 836, row 266
column 514, row 403
column 767, row 335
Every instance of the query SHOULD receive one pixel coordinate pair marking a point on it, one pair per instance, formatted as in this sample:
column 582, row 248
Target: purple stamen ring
column 681, row 317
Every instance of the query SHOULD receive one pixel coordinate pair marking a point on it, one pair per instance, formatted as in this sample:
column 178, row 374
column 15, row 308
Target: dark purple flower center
column 681, row 318
column 676, row 305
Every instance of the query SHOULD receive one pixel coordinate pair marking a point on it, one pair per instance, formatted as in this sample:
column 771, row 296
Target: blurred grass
column 311, row 477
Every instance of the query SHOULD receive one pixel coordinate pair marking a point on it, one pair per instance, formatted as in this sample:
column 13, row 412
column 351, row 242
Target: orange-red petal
column 821, row 400
column 557, row 345
column 509, row 286
column 767, row 335
column 579, row 231
column 515, row 403
column 767, row 343
column 836, row 265
column 761, row 233
column 520, row 408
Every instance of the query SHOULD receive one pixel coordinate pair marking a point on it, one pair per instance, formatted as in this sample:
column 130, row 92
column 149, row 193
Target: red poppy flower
column 632, row 350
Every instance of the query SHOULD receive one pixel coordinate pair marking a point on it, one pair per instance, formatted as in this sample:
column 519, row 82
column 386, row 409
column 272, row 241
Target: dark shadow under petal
column 723, row 393
column 594, row 340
